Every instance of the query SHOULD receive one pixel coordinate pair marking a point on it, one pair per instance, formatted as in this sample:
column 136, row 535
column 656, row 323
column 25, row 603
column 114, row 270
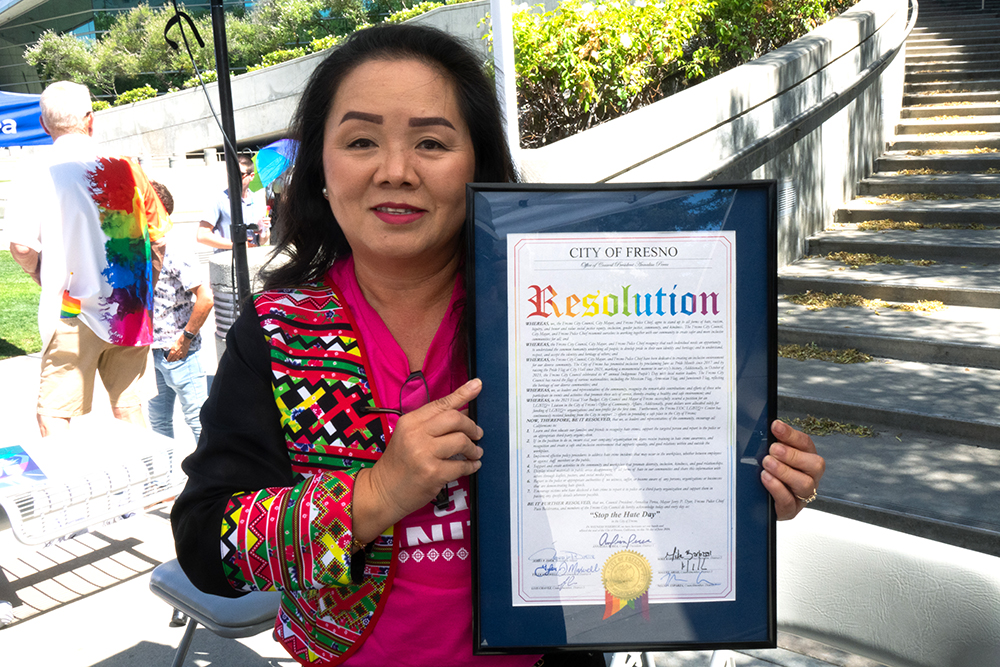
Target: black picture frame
column 749, row 209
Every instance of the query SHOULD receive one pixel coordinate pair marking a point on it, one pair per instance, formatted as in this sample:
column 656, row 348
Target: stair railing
column 768, row 147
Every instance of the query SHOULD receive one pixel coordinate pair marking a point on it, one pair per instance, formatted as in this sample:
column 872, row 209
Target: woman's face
column 396, row 157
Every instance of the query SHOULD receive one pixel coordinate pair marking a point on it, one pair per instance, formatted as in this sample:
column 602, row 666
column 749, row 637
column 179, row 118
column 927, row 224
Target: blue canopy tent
column 20, row 121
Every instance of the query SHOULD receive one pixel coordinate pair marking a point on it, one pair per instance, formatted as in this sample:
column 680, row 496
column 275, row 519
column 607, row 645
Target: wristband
column 188, row 334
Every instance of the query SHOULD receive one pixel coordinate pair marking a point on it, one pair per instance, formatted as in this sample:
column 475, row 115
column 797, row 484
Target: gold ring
column 806, row 501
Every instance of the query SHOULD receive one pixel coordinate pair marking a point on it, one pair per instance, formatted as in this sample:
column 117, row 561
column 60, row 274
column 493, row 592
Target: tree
column 60, row 57
column 134, row 52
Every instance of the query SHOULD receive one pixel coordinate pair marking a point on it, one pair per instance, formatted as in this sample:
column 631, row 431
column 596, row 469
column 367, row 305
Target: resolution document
column 622, row 418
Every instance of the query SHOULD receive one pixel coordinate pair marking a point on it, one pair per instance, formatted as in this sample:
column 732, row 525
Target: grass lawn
column 18, row 310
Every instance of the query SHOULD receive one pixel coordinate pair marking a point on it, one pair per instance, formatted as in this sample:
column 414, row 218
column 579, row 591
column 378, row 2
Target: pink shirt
column 427, row 619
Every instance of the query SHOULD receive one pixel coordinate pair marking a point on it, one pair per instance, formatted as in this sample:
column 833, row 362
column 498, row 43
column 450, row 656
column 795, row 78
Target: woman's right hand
column 419, row 460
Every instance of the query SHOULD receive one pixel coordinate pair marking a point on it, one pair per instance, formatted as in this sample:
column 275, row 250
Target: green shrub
column 421, row 8
column 280, row 56
column 208, row 76
column 582, row 64
column 415, row 10
column 323, row 43
column 146, row 92
column 776, row 23
column 101, row 105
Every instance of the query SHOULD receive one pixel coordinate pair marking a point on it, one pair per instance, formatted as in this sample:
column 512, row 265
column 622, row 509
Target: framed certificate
column 626, row 339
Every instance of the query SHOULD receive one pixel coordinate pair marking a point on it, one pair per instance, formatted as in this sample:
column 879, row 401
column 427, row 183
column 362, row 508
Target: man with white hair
column 89, row 230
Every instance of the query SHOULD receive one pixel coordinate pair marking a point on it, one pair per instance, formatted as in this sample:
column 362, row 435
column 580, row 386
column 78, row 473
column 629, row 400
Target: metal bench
column 96, row 472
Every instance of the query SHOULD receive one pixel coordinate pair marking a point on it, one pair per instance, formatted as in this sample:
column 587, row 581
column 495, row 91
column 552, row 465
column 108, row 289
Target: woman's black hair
column 310, row 235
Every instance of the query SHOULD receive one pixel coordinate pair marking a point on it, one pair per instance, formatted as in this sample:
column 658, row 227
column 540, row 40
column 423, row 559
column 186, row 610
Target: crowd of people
column 337, row 413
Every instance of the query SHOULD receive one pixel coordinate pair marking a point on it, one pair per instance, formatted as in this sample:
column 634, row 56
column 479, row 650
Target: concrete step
column 953, row 74
column 956, row 335
column 983, row 37
column 942, row 245
column 959, row 211
column 956, row 401
column 957, row 64
column 955, row 25
column 917, row 50
column 958, row 26
column 966, row 284
column 917, row 60
column 951, row 10
column 967, row 33
column 966, row 140
column 948, row 40
column 949, row 122
column 932, row 12
column 936, row 486
column 945, row 84
column 936, row 98
column 965, row 185
column 964, row 162
column 970, row 110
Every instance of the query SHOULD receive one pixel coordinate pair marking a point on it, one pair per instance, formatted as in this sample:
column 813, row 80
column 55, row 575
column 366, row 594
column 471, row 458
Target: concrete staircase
column 933, row 391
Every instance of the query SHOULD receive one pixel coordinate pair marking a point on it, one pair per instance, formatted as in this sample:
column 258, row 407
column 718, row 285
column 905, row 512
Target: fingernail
column 779, row 427
column 474, row 383
column 477, row 464
column 766, row 476
column 778, row 449
column 770, row 463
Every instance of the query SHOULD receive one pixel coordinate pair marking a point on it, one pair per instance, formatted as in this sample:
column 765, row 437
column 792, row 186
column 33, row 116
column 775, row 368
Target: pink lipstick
column 397, row 214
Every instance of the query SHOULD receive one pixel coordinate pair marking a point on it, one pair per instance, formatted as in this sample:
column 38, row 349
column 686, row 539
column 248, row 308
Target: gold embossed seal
column 626, row 575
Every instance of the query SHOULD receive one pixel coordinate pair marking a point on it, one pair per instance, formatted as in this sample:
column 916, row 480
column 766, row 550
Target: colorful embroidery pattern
column 298, row 540
column 312, row 551
column 112, row 185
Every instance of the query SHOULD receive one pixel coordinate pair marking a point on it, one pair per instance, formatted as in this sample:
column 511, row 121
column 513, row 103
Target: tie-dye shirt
column 92, row 219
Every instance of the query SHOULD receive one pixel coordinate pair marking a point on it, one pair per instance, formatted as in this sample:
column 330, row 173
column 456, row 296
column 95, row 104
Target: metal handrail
column 741, row 163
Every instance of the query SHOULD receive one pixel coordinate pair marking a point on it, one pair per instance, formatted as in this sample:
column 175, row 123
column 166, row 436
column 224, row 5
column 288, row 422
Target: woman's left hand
column 792, row 470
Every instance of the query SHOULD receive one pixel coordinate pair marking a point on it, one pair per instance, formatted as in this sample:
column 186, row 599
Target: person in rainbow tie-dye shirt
column 89, row 230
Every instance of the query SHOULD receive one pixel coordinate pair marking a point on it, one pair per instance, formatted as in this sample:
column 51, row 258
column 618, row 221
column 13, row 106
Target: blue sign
column 20, row 121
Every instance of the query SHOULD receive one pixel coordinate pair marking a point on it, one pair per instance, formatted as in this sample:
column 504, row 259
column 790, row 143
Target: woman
column 296, row 468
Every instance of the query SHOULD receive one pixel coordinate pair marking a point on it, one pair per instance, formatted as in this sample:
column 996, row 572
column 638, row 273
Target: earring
column 326, row 195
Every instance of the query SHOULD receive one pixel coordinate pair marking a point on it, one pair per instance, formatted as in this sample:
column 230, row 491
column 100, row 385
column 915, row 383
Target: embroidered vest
column 321, row 385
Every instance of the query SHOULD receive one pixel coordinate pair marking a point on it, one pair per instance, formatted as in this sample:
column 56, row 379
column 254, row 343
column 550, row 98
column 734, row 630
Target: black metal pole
column 238, row 231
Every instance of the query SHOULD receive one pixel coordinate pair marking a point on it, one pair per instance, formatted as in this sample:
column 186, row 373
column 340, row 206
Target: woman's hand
column 792, row 470
column 418, row 462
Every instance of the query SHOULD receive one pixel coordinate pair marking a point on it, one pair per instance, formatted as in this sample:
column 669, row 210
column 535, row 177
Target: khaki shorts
column 70, row 362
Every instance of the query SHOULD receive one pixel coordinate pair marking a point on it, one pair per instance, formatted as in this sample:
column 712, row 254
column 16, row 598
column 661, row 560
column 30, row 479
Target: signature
column 565, row 569
column 619, row 541
column 551, row 555
column 690, row 561
column 705, row 582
